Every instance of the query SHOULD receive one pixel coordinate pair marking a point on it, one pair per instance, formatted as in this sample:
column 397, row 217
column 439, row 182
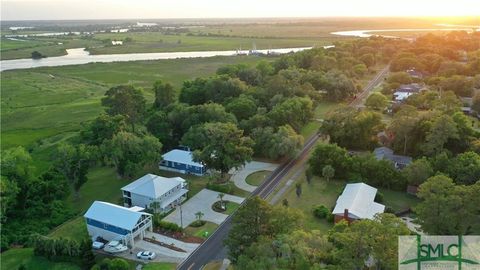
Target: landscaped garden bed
column 169, row 246
column 229, row 208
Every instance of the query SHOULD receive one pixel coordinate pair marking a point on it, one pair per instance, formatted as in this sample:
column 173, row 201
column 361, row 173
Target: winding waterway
column 79, row 56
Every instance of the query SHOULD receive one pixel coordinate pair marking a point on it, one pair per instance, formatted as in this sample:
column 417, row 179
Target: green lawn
column 38, row 110
column 159, row 266
column 319, row 113
column 13, row 258
column 75, row 229
column 231, row 207
column 320, row 192
column 208, row 228
column 256, row 178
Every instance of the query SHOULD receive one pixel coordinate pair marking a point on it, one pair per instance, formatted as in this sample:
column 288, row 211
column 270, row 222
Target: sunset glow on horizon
column 122, row 9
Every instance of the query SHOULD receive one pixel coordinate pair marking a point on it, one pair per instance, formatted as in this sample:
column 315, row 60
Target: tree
column 368, row 239
column 257, row 219
column 352, row 129
column 8, row 196
column 338, row 86
column 249, row 223
column 476, row 103
column 294, row 111
column 418, row 172
column 17, row 173
column 368, row 59
column 329, row 154
column 118, row 264
column 309, row 175
column 242, row 107
column 464, row 168
column 165, row 94
column 220, row 196
column 283, row 143
column 125, row 100
column 443, row 128
column 37, row 55
column 129, row 153
column 220, row 146
column 446, row 208
column 298, row 189
column 103, row 128
column 448, row 103
column 402, row 125
column 328, row 172
column 160, row 126
column 199, row 215
column 74, row 162
column 360, row 70
column 376, row 101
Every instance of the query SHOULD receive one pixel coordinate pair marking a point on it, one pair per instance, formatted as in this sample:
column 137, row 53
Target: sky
column 145, row 9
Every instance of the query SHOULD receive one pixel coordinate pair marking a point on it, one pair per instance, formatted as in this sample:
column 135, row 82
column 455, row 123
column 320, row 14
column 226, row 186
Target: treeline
column 29, row 203
column 64, row 250
column 464, row 168
column 266, row 237
column 227, row 118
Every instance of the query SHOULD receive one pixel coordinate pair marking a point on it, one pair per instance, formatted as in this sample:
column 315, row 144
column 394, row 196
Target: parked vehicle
column 115, row 247
column 97, row 245
column 146, row 255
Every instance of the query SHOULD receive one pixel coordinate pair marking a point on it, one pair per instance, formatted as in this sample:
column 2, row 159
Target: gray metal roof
column 153, row 186
column 359, row 199
column 181, row 156
column 113, row 214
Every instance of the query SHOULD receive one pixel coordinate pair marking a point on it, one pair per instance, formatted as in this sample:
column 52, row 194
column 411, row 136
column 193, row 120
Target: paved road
column 213, row 248
column 370, row 86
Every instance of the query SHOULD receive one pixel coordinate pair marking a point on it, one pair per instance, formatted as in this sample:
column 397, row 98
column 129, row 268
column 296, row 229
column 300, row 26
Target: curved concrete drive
column 202, row 202
column 239, row 176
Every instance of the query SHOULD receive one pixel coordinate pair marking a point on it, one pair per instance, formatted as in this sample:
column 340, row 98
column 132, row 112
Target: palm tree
column 199, row 215
column 220, row 196
column 155, row 206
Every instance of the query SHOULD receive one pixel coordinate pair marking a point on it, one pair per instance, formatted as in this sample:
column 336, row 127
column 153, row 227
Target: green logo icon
column 439, row 252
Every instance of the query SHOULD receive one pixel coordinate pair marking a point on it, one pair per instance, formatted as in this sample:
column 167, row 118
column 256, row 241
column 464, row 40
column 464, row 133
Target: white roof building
column 153, row 188
column 359, row 199
column 181, row 161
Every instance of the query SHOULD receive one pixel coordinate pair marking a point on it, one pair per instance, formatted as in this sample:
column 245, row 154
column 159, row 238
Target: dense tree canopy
column 220, row 146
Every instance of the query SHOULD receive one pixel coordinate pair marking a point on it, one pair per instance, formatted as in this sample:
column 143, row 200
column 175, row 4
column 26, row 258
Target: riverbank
column 80, row 56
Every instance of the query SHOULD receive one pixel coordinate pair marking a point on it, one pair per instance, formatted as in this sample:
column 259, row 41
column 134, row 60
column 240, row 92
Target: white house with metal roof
column 150, row 188
column 181, row 161
column 357, row 202
column 114, row 222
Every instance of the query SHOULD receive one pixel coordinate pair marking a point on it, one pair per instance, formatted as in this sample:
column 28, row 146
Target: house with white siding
column 160, row 194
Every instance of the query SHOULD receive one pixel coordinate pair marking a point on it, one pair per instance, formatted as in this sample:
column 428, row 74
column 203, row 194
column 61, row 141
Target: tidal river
column 80, row 56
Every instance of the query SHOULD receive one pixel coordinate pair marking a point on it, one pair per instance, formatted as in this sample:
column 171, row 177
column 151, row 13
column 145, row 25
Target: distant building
column 398, row 161
column 414, row 73
column 114, row 222
column 406, row 90
column 356, row 202
column 167, row 192
column 181, row 161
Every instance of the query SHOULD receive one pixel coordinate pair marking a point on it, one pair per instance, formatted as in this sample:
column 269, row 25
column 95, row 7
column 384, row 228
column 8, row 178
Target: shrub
column 321, row 211
column 223, row 188
column 197, row 223
column 330, row 217
column 379, row 197
column 168, row 226
column 389, row 209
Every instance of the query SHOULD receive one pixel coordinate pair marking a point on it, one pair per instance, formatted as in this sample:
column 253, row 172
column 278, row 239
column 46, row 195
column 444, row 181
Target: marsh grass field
column 44, row 106
column 203, row 35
